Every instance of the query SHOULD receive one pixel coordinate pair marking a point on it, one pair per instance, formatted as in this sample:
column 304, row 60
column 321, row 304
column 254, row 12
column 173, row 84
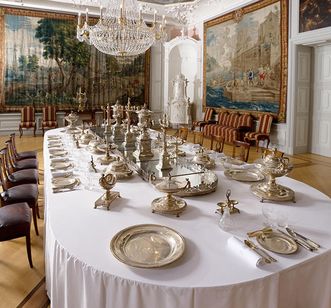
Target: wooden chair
column 219, row 143
column 49, row 118
column 27, row 120
column 243, row 148
column 24, row 176
column 15, row 222
column 21, row 193
column 21, row 155
column 206, row 119
column 198, row 138
column 262, row 132
column 15, row 165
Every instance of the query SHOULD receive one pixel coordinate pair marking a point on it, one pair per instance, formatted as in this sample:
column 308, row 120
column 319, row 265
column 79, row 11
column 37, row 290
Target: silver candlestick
column 107, row 158
column 164, row 162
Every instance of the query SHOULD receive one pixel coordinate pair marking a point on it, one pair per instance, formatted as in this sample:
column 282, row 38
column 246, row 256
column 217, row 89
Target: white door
column 321, row 107
column 303, row 99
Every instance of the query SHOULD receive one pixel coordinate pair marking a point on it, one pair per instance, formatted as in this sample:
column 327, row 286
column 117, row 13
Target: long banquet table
column 82, row 272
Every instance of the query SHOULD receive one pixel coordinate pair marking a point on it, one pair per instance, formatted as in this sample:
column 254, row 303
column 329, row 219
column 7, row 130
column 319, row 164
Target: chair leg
column 34, row 215
column 38, row 214
column 28, row 248
column 34, row 131
column 21, row 130
column 268, row 141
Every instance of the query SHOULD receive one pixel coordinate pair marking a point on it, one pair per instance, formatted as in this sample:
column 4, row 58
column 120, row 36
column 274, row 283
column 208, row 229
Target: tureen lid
column 271, row 160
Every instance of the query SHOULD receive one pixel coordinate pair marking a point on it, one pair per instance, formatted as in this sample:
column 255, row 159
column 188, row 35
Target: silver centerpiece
column 144, row 145
column 203, row 159
column 272, row 167
column 94, row 144
column 119, row 168
column 129, row 137
column 86, row 136
column 169, row 204
column 117, row 130
column 144, row 117
column 72, row 118
column 164, row 163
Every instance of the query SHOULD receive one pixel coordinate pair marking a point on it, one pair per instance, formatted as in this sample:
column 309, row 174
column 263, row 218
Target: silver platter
column 147, row 246
column 279, row 193
column 244, row 175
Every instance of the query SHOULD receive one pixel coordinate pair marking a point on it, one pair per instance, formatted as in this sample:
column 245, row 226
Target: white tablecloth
column 82, row 272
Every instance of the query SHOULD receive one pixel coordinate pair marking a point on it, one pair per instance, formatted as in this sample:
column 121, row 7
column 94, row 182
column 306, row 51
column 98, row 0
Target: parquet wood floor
column 21, row 286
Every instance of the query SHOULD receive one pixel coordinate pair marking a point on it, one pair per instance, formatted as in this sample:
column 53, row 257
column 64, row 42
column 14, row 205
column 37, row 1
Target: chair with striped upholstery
column 230, row 126
column 206, row 119
column 27, row 120
column 49, row 118
column 262, row 132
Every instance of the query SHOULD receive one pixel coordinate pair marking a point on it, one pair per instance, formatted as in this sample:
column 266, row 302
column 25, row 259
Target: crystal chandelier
column 120, row 30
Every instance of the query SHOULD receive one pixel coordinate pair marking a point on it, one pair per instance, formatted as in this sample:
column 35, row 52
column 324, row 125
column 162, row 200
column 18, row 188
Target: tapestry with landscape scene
column 42, row 62
column 245, row 59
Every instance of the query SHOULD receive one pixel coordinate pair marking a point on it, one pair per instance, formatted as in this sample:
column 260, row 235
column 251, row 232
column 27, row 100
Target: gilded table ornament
column 119, row 168
column 228, row 203
column 144, row 145
column 107, row 182
column 169, row 204
column 72, row 118
column 272, row 167
column 203, row 159
column 147, row 246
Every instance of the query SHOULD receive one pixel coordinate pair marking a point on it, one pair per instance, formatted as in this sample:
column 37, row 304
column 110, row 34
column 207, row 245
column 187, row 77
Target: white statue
column 180, row 106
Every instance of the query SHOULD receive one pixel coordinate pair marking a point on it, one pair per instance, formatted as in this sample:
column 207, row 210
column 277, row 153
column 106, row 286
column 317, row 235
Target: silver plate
column 61, row 165
column 244, row 175
column 58, row 152
column 64, row 182
column 278, row 243
column 147, row 246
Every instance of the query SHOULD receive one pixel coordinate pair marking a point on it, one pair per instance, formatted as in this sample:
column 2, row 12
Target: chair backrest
column 245, row 120
column 49, row 114
column 243, row 150
column 27, row 114
column 3, row 170
column 264, row 126
column 198, row 138
column 208, row 114
column 9, row 157
column 233, row 120
column 221, row 117
column 13, row 145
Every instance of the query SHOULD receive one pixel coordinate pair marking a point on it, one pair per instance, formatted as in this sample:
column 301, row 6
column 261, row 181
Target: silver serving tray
column 244, row 175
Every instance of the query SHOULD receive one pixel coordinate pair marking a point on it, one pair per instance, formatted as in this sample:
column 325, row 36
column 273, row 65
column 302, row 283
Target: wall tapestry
column 42, row 62
column 314, row 14
column 245, row 59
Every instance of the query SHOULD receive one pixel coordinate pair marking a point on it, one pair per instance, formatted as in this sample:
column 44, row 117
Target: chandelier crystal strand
column 121, row 30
